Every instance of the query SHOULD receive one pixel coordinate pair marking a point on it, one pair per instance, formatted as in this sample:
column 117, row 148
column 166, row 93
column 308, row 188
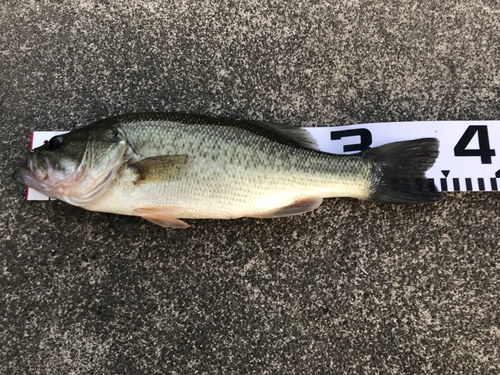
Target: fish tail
column 399, row 172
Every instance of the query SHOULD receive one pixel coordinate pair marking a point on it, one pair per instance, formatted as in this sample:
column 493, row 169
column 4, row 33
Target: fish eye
column 55, row 143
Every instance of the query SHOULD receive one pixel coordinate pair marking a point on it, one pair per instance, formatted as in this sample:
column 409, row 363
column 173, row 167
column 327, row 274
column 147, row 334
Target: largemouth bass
column 166, row 167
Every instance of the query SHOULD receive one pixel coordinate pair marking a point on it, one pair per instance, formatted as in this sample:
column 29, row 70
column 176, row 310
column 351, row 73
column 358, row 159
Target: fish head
column 76, row 167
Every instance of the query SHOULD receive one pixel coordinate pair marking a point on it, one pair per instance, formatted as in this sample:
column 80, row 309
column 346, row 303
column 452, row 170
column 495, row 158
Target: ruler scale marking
column 480, row 182
column 468, row 184
column 494, row 186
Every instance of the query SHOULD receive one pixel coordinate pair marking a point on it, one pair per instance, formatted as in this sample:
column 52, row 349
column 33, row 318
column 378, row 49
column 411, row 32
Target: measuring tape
column 467, row 160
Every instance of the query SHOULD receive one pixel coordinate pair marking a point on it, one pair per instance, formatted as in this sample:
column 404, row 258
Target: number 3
column 365, row 138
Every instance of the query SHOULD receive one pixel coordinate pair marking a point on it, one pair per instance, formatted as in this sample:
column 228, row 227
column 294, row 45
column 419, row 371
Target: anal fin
column 162, row 216
column 297, row 208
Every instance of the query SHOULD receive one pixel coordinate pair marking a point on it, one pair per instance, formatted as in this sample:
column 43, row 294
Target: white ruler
column 469, row 151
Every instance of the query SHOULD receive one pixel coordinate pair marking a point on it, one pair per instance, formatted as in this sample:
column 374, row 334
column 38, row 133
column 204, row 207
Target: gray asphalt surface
column 85, row 293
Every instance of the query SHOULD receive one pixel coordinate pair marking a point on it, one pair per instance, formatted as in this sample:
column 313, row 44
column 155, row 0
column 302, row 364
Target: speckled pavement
column 85, row 293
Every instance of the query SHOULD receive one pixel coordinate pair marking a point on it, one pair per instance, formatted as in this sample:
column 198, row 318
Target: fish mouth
column 36, row 176
column 25, row 177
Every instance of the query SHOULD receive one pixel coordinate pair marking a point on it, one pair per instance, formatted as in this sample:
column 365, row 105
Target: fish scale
column 235, row 172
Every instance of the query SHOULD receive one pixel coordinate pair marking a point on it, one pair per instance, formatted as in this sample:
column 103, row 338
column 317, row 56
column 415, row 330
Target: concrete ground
column 86, row 293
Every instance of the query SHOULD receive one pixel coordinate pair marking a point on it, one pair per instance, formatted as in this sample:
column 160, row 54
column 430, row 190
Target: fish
column 167, row 167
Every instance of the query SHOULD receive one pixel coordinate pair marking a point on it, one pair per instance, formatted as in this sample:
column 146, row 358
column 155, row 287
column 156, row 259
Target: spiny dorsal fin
column 161, row 168
column 297, row 135
column 281, row 133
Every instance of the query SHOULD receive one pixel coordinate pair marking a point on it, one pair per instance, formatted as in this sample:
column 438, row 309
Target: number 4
column 484, row 150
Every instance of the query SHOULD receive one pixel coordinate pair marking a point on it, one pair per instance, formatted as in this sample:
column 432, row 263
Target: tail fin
column 399, row 172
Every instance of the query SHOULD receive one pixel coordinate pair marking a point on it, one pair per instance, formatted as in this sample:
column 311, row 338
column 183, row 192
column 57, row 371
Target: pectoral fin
column 160, row 168
column 162, row 216
column 299, row 207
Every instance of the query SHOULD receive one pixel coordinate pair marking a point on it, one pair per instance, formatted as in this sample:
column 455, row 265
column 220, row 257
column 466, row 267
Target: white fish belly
column 222, row 193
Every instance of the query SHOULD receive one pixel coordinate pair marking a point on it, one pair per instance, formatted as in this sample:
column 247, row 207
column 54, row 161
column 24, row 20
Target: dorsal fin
column 297, row 135
column 281, row 133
